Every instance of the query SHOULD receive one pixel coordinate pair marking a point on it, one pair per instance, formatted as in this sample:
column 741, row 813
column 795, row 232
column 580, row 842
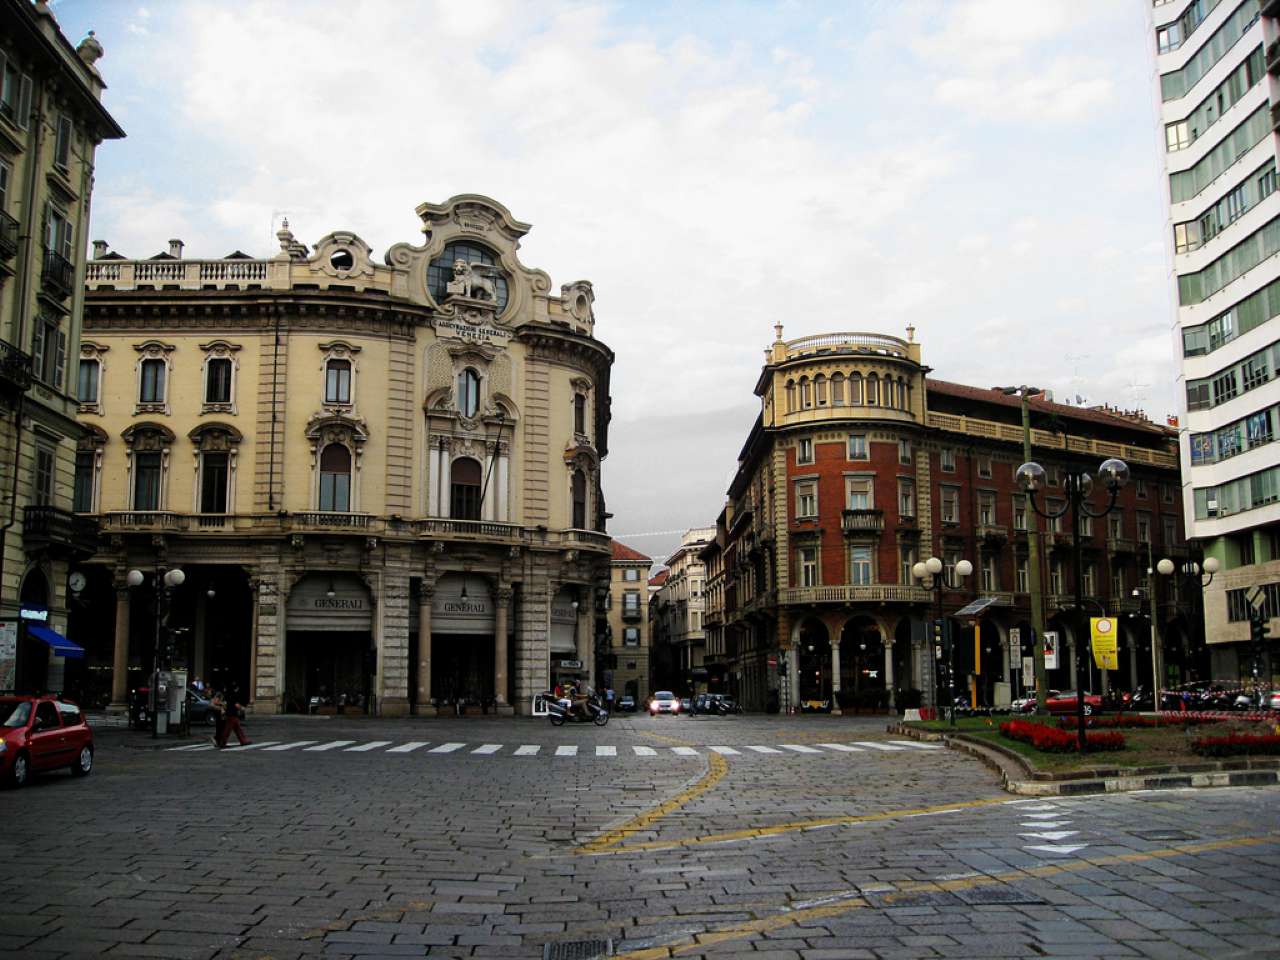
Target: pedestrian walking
column 218, row 708
column 234, row 714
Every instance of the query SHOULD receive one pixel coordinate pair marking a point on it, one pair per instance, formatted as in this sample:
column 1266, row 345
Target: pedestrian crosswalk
column 602, row 751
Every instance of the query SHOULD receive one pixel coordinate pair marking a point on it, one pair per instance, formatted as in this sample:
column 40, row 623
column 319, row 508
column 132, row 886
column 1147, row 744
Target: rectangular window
column 1244, row 544
column 151, row 389
column 6, row 173
column 43, row 491
column 213, row 483
column 631, row 636
column 1019, row 511
column 984, row 467
column 1255, row 371
column 1236, row 204
column 1023, row 577
column 631, row 604
column 906, row 498
column 1198, row 395
column 808, row 560
column 57, row 232
column 858, row 447
column 1166, row 493
column 1086, row 525
column 1144, row 528
column 1055, row 576
column 62, row 143
column 804, row 451
column 950, row 504
column 1140, row 488
column 1115, row 523
column 986, row 508
column 335, row 496
column 904, row 452
column 906, row 560
column 82, row 497
column 1238, row 609
column 1170, row 531
column 860, row 566
column 990, row 574
column 217, row 387
column 1267, row 184
column 1177, row 136
column 1056, row 523
column 1087, row 570
column 1117, row 584
column 806, row 499
column 820, row 391
column 947, row 458
column 48, row 351
column 337, row 385
column 87, row 384
column 15, row 94
column 631, row 574
column 858, row 493
column 146, row 481
column 1052, row 475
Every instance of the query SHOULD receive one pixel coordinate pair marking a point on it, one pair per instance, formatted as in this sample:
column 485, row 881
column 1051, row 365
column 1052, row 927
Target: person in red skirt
column 231, row 724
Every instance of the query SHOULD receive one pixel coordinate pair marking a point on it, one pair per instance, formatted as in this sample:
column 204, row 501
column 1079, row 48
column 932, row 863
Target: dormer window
column 468, row 392
column 337, row 382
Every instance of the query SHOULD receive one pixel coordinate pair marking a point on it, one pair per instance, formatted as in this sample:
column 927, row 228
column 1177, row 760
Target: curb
column 1017, row 777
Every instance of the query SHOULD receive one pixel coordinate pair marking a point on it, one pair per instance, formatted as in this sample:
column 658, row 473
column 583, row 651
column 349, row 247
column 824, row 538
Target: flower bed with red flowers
column 1135, row 720
column 1055, row 740
column 1238, row 744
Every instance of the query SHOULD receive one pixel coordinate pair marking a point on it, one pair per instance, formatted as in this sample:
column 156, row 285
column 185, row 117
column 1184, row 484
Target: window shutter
column 48, row 225
column 67, row 241
column 24, row 102
column 37, row 349
column 60, row 360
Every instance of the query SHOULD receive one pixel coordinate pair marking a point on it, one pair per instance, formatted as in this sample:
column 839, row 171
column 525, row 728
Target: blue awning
column 59, row 644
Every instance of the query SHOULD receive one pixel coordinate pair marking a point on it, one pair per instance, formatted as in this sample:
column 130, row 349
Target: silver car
column 664, row 701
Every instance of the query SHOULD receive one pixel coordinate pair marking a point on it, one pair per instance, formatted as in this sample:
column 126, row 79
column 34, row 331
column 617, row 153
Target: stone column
column 120, row 659
column 584, row 642
column 835, row 677
column 501, row 599
column 888, row 672
column 253, row 643
column 425, row 596
column 1133, row 662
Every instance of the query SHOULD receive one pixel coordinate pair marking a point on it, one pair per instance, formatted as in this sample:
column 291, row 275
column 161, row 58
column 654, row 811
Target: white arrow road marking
column 1064, row 848
column 1050, row 835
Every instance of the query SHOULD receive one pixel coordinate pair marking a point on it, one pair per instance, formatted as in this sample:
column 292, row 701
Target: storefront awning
column 59, row 644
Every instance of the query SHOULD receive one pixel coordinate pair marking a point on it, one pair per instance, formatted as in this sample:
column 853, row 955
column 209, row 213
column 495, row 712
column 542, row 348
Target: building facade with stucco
column 381, row 479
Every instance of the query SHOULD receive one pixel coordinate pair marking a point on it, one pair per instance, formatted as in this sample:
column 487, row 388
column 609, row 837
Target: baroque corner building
column 860, row 465
column 51, row 123
column 381, row 480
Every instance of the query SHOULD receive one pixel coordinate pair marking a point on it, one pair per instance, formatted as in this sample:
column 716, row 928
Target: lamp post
column 930, row 574
column 1198, row 576
column 165, row 581
column 1114, row 473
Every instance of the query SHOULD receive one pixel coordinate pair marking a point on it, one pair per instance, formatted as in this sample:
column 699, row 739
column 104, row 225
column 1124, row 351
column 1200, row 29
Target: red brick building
column 859, row 466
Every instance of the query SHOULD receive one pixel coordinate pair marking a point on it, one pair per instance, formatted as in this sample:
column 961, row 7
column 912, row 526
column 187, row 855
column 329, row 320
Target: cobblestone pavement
column 493, row 849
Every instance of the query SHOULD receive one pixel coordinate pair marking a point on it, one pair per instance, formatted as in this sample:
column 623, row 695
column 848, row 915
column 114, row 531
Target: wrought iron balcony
column 46, row 527
column 633, row 612
column 993, row 532
column 59, row 275
column 15, row 369
column 862, row 521
column 1120, row 544
column 8, row 236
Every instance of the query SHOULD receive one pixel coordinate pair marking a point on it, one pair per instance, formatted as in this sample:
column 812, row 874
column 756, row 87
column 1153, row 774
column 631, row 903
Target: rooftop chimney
column 175, row 249
column 99, row 249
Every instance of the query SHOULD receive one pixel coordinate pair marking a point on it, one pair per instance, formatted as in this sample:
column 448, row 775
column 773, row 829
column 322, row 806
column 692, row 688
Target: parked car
column 627, row 704
column 1272, row 700
column 1065, row 703
column 198, row 709
column 705, row 703
column 664, row 701
column 42, row 733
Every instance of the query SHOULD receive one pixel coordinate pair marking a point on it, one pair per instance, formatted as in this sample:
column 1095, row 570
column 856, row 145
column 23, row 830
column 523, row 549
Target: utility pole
column 1155, row 635
column 1033, row 554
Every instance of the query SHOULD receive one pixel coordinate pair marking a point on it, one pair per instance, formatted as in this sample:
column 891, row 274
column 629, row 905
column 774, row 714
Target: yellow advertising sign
column 1102, row 635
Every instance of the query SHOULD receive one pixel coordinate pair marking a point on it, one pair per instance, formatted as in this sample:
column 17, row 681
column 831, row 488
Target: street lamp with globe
column 165, row 583
column 1114, row 474
column 930, row 574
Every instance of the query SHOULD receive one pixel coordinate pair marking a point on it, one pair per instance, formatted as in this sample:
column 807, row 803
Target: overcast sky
column 986, row 170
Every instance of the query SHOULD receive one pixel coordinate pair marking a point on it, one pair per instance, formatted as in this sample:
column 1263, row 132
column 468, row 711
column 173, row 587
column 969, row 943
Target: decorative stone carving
column 578, row 298
column 472, row 280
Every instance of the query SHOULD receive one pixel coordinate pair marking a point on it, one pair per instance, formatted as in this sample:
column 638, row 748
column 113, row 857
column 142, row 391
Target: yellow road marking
column 698, row 942
column 795, row 826
column 717, row 767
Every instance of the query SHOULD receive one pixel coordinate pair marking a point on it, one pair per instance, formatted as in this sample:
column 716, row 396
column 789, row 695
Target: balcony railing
column 15, row 368
column 59, row 275
column 45, row 526
column 1120, row 544
column 479, row 529
column 143, row 520
column 846, row 593
column 995, row 532
column 953, row 423
column 8, row 236
column 862, row 521
column 633, row 613
column 326, row 519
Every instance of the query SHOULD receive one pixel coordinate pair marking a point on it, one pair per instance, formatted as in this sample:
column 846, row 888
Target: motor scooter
column 561, row 711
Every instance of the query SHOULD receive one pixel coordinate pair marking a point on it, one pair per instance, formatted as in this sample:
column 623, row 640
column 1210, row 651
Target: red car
column 42, row 733
column 1065, row 703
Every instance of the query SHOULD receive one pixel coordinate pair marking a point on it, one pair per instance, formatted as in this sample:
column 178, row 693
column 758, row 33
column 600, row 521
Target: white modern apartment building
column 680, row 607
column 1217, row 65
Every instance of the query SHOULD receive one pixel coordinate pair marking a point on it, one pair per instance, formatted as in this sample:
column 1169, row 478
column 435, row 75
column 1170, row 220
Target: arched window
column 873, row 390
column 791, row 396
column 464, row 489
column 902, row 395
column 820, row 390
column 579, row 500
column 888, row 393
column 337, row 381
column 855, row 388
column 806, row 393
column 837, row 390
column 468, row 392
column 335, row 478
column 440, row 271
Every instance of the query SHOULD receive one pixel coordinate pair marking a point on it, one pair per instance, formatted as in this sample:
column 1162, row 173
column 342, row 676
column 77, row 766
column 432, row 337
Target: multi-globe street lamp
column 165, row 582
column 930, row 574
column 1114, row 474
column 1198, row 576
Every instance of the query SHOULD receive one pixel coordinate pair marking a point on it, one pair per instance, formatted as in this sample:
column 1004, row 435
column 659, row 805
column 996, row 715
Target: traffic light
column 1259, row 630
